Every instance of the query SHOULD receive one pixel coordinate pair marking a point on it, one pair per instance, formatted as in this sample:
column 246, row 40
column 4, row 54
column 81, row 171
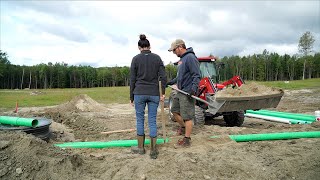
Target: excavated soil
column 23, row 156
column 248, row 89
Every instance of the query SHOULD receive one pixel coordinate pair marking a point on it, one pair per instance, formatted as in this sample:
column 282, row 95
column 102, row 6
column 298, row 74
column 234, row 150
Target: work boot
column 140, row 148
column 184, row 142
column 181, row 131
column 154, row 151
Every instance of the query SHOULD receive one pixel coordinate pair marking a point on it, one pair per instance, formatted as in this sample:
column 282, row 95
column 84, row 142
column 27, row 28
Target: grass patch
column 50, row 97
column 105, row 95
column 294, row 85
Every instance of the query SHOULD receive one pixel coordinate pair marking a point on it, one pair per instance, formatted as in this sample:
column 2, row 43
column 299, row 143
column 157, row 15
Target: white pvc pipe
column 270, row 118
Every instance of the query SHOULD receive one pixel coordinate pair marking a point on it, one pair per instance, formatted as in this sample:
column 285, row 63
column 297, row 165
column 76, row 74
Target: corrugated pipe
column 97, row 144
column 289, row 116
column 278, row 119
column 18, row 121
column 273, row 136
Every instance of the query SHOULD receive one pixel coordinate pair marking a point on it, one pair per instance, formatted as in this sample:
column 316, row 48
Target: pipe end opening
column 35, row 123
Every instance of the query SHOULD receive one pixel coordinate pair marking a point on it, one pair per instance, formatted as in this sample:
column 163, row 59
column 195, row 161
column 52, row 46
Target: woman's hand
column 162, row 97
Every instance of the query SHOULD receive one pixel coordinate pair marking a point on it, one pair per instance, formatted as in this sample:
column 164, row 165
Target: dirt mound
column 81, row 114
column 81, row 103
column 249, row 89
column 25, row 157
column 35, row 93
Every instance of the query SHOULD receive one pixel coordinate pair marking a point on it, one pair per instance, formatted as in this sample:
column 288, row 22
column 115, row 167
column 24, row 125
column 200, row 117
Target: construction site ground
column 23, row 156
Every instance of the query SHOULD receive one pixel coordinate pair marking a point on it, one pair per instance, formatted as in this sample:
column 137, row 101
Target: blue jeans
column 140, row 102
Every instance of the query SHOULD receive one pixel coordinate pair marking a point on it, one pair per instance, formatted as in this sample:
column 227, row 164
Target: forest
column 259, row 67
column 265, row 66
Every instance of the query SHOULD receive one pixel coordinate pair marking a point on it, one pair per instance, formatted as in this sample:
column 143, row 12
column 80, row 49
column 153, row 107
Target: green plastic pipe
column 277, row 119
column 273, row 136
column 97, row 144
column 289, row 116
column 18, row 121
column 279, row 112
column 295, row 121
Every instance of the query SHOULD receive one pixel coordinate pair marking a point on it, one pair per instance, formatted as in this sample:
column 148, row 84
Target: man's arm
column 195, row 73
column 172, row 81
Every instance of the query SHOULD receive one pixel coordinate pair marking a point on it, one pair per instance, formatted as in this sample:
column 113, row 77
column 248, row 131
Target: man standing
column 183, row 106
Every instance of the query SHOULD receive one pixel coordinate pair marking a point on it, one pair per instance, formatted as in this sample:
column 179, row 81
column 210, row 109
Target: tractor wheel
column 170, row 106
column 199, row 116
column 234, row 118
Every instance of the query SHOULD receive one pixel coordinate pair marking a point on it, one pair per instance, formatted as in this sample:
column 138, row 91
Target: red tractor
column 231, row 108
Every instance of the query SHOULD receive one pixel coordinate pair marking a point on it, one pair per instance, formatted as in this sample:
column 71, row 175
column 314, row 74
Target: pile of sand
column 82, row 103
column 35, row 93
column 249, row 89
column 69, row 111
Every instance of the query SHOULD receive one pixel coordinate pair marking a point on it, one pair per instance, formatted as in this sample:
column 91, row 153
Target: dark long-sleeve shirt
column 189, row 72
column 146, row 71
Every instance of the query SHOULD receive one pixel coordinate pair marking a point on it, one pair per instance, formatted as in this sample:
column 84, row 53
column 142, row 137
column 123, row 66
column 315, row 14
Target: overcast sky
column 105, row 33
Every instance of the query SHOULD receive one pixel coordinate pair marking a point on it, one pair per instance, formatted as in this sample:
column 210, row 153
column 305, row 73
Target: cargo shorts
column 183, row 105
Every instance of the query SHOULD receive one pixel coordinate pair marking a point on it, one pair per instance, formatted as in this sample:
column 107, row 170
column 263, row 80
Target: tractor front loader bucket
column 238, row 103
column 242, row 103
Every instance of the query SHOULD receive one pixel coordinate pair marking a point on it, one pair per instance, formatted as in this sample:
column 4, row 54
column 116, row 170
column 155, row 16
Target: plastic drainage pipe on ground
column 295, row 121
column 116, row 143
column 17, row 121
column 278, row 119
column 279, row 112
column 270, row 118
column 289, row 116
column 273, row 136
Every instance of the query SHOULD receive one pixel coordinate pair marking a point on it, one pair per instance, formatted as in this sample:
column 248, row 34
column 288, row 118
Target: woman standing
column 146, row 71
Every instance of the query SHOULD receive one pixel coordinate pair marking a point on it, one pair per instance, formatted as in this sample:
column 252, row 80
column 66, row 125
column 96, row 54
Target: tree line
column 271, row 67
column 259, row 67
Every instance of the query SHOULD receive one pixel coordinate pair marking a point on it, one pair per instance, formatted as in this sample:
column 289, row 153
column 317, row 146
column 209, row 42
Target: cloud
column 117, row 38
column 61, row 9
column 70, row 33
column 105, row 33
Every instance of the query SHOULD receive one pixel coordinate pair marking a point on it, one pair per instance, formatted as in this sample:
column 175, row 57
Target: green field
column 106, row 95
column 297, row 84
column 49, row 97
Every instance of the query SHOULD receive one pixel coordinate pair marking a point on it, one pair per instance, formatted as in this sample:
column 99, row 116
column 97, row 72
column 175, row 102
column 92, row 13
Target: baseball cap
column 175, row 44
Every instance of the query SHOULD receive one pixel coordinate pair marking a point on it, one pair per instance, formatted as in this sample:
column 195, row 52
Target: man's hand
column 132, row 104
column 191, row 94
column 174, row 86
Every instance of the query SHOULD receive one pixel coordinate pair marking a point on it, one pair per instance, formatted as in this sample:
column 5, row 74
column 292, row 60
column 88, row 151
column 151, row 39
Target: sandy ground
column 23, row 156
